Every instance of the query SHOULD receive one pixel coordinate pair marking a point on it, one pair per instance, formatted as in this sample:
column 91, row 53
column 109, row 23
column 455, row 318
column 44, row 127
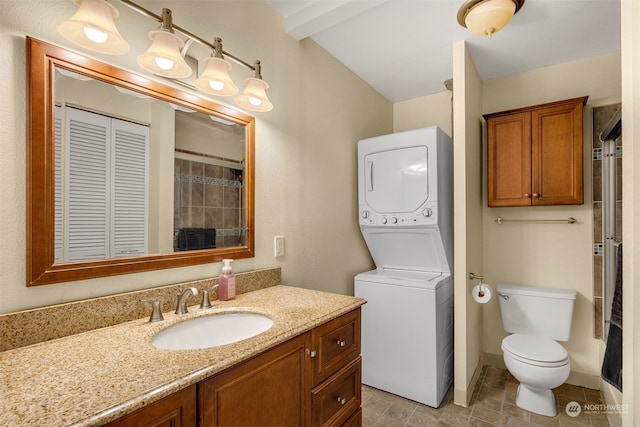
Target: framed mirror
column 127, row 174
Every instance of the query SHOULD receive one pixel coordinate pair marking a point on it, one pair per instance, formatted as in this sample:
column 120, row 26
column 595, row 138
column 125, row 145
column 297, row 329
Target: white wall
column 549, row 254
column 305, row 147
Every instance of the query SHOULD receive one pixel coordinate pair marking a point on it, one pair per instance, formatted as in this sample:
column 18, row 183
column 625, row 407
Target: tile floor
column 492, row 404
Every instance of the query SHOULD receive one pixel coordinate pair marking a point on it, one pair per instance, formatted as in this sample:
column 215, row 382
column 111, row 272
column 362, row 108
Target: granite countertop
column 98, row 376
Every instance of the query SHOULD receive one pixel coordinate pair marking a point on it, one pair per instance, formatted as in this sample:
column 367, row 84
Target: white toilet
column 536, row 317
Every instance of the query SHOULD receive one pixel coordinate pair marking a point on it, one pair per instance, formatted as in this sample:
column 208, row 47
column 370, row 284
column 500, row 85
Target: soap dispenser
column 226, row 282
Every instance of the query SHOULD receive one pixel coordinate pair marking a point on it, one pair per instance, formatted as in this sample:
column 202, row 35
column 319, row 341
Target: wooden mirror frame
column 42, row 58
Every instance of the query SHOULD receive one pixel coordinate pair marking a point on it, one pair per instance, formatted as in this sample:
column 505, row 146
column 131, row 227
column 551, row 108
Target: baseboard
column 495, row 360
column 463, row 398
column 575, row 378
column 612, row 397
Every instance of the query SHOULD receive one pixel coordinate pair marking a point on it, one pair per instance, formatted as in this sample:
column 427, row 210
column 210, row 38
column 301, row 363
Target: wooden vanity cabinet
column 336, row 372
column 311, row 380
column 534, row 155
column 268, row 390
column 175, row 410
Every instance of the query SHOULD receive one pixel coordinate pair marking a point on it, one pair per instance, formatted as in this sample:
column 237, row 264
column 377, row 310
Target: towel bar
column 569, row 220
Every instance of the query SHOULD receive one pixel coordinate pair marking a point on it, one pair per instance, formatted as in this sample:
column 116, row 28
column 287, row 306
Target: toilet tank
column 534, row 310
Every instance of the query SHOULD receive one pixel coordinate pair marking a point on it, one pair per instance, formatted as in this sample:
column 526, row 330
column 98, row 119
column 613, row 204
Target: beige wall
column 305, row 147
column 551, row 255
column 431, row 110
column 630, row 11
column 467, row 168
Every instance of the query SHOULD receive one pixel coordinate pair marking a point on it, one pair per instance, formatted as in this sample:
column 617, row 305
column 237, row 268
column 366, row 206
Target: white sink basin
column 212, row 331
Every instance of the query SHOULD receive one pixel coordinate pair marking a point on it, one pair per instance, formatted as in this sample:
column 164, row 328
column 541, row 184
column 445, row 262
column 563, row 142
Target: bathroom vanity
column 304, row 371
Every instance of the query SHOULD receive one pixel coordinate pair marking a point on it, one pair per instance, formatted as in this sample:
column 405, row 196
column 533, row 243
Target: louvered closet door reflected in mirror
column 102, row 192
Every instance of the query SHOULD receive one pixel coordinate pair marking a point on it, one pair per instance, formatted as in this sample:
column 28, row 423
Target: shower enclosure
column 611, row 139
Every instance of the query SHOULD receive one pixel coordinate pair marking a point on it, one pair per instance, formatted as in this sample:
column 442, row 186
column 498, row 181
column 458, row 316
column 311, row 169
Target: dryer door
column 396, row 181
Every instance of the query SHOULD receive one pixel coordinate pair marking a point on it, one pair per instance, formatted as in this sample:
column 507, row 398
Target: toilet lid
column 535, row 349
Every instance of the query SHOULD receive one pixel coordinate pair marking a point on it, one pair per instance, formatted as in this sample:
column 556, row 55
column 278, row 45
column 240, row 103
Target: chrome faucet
column 183, row 296
column 206, row 302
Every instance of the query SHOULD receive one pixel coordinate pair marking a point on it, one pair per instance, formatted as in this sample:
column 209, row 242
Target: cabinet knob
column 341, row 343
column 527, row 195
column 342, row 400
column 312, row 353
column 537, row 195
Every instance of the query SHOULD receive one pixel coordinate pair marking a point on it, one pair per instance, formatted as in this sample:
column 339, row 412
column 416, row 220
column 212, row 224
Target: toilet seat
column 535, row 350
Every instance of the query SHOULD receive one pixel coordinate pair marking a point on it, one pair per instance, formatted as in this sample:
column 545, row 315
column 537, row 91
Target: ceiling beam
column 319, row 15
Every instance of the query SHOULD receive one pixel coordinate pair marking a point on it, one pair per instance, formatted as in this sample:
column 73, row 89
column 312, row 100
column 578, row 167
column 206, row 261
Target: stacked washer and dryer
column 405, row 190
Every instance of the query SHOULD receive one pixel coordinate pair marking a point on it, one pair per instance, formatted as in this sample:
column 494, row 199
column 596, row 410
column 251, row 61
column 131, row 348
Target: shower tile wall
column 601, row 116
column 209, row 196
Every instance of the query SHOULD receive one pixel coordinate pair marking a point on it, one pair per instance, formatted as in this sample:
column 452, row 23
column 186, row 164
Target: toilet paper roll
column 482, row 293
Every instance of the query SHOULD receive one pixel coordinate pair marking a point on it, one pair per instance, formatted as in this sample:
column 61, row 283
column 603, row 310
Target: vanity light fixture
column 487, row 17
column 165, row 56
column 92, row 27
column 215, row 78
column 254, row 96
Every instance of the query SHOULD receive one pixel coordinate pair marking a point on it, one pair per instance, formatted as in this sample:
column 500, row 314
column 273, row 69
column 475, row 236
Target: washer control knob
column 384, row 220
column 427, row 212
column 394, row 220
column 365, row 214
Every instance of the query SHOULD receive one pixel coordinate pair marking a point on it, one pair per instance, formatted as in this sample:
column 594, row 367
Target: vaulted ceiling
column 403, row 48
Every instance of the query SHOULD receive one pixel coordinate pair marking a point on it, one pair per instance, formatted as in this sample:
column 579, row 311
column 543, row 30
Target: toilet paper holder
column 474, row 276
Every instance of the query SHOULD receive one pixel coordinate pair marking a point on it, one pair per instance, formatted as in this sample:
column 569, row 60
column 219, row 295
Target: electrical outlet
column 278, row 246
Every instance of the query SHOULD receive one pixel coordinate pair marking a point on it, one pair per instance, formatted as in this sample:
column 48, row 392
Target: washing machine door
column 396, row 180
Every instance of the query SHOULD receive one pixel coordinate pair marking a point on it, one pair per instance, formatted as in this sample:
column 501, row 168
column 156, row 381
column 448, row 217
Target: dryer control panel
column 427, row 214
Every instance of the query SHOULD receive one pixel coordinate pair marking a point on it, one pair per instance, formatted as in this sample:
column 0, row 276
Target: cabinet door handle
column 341, row 343
column 537, row 195
column 312, row 353
column 342, row 400
column 527, row 195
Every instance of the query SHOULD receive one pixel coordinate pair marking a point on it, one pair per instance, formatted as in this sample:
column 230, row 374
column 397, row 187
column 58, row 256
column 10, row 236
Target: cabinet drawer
column 337, row 399
column 355, row 420
column 335, row 344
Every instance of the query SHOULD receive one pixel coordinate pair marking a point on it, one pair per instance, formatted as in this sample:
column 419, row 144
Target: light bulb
column 95, row 35
column 216, row 85
column 255, row 101
column 92, row 27
column 164, row 63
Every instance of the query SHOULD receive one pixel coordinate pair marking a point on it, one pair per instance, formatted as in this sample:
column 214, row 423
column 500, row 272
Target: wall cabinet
column 534, row 155
column 313, row 379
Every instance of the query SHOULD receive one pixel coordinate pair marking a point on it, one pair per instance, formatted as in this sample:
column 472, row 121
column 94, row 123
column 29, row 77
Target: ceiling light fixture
column 92, row 27
column 165, row 56
column 487, row 17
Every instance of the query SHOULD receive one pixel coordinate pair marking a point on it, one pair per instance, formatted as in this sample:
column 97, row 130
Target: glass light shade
column 92, row 27
column 215, row 78
column 163, row 56
column 490, row 16
column 254, row 97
